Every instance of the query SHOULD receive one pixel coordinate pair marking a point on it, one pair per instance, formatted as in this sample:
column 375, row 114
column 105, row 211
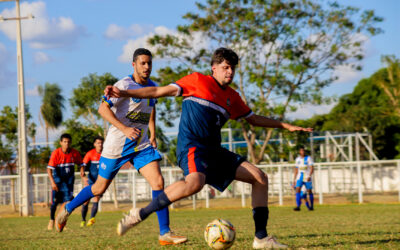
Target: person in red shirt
column 61, row 174
column 91, row 163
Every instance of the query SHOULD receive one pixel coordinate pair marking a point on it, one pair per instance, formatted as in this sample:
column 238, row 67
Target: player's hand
column 112, row 91
column 293, row 128
column 54, row 187
column 131, row 133
column 153, row 142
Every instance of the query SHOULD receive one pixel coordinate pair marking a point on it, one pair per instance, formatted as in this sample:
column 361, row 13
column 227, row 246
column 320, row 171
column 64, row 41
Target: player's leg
column 95, row 208
column 299, row 184
column 310, row 194
column 249, row 173
column 53, row 208
column 84, row 210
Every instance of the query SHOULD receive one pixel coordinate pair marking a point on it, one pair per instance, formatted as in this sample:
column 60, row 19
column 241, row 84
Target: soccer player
column 91, row 163
column 209, row 102
column 61, row 174
column 127, row 140
column 302, row 176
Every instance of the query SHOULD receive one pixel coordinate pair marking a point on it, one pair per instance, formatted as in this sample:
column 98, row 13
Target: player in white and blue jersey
column 128, row 140
column 302, row 177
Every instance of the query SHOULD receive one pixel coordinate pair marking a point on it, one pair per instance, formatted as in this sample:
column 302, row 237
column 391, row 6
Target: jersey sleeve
column 53, row 160
column 77, row 158
column 187, row 84
column 310, row 161
column 239, row 109
column 86, row 159
column 114, row 100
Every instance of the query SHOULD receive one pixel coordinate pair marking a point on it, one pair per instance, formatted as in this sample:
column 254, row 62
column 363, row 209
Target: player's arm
column 82, row 170
column 108, row 115
column 152, row 127
column 311, row 172
column 262, row 121
column 295, row 171
column 52, row 182
column 143, row 93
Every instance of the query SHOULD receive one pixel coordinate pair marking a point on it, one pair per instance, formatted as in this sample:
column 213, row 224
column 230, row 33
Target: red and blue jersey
column 62, row 164
column 91, row 162
column 206, row 107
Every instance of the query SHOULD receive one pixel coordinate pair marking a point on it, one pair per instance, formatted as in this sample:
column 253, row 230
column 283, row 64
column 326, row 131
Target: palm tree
column 52, row 105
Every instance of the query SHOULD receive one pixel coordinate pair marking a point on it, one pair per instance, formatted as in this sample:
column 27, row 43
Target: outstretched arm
column 143, row 93
column 262, row 121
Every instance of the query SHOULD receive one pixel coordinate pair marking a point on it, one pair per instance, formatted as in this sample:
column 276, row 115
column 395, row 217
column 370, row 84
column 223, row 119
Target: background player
column 127, row 140
column 209, row 102
column 302, row 176
column 91, row 163
column 61, row 174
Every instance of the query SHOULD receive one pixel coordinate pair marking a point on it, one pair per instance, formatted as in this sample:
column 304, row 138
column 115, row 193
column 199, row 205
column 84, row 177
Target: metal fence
column 357, row 178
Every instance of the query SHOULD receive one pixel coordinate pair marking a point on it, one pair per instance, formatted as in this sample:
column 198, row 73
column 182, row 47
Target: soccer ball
column 220, row 234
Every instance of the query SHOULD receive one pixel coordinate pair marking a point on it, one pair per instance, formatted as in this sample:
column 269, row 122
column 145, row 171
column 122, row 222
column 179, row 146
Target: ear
column 133, row 64
column 213, row 67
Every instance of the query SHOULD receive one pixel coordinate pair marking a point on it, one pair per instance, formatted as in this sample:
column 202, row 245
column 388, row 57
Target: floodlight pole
column 25, row 203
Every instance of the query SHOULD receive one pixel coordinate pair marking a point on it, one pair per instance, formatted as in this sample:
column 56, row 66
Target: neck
column 140, row 80
column 65, row 151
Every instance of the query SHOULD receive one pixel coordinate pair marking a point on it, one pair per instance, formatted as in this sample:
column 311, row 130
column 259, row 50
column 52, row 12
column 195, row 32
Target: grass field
column 372, row 226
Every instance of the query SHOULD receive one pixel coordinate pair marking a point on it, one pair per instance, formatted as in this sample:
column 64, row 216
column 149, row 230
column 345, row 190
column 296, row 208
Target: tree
column 288, row 52
column 86, row 98
column 52, row 106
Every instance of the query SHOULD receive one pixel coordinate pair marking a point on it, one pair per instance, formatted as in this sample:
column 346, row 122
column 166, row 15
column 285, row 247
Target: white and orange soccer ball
column 220, row 234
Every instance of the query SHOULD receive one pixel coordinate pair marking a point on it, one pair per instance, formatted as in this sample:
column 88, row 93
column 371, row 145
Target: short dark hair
column 222, row 54
column 98, row 138
column 66, row 136
column 141, row 51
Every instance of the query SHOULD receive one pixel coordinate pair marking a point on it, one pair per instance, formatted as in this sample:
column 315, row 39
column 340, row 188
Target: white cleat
column 268, row 242
column 171, row 238
column 61, row 219
column 130, row 220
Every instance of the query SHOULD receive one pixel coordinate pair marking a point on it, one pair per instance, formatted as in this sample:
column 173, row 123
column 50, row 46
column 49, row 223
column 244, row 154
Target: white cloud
column 307, row 111
column 7, row 76
column 42, row 32
column 33, row 92
column 346, row 74
column 198, row 41
column 115, row 32
column 41, row 58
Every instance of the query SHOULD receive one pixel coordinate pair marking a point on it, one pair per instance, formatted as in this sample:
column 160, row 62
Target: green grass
column 372, row 226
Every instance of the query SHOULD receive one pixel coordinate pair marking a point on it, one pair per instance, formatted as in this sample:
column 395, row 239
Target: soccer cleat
column 296, row 209
column 91, row 222
column 311, row 209
column 171, row 238
column 130, row 220
column 83, row 223
column 268, row 242
column 61, row 219
column 51, row 225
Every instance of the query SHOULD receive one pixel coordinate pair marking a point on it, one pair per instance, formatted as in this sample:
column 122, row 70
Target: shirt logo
column 228, row 102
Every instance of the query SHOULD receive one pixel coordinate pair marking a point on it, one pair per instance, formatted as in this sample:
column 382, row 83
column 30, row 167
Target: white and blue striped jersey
column 132, row 112
column 303, row 164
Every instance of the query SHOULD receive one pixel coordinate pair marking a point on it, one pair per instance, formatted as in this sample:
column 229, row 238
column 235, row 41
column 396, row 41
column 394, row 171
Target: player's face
column 142, row 67
column 301, row 152
column 65, row 144
column 98, row 145
column 223, row 72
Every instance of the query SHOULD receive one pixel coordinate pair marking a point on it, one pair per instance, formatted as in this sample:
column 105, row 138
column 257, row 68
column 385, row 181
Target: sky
column 67, row 40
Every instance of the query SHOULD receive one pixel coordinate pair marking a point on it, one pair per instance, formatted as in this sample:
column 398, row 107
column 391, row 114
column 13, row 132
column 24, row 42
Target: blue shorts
column 109, row 167
column 300, row 183
column 65, row 193
column 218, row 164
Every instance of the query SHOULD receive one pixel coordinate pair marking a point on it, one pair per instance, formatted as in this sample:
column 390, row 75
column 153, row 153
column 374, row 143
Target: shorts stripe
column 191, row 162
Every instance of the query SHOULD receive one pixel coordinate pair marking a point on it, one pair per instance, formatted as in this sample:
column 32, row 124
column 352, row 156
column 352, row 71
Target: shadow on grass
column 358, row 242
column 339, row 234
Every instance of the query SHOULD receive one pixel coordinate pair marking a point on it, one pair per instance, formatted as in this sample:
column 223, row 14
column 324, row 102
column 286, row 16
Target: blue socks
column 260, row 216
column 162, row 215
column 84, row 211
column 94, row 209
column 308, row 205
column 158, row 203
column 311, row 195
column 298, row 199
column 84, row 195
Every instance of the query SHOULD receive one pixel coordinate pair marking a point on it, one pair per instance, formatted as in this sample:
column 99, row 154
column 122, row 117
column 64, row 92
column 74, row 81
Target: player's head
column 65, row 142
column 98, row 143
column 302, row 151
column 223, row 64
column 142, row 63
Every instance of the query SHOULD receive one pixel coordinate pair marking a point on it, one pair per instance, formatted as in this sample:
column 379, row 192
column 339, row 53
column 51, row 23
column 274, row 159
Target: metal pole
column 280, row 185
column 321, row 198
column 207, row 196
column 360, row 195
column 312, row 145
column 243, row 195
column 170, row 182
column 26, row 208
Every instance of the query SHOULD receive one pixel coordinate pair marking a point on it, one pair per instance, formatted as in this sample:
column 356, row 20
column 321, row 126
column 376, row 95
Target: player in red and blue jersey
column 61, row 174
column 91, row 164
column 208, row 103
